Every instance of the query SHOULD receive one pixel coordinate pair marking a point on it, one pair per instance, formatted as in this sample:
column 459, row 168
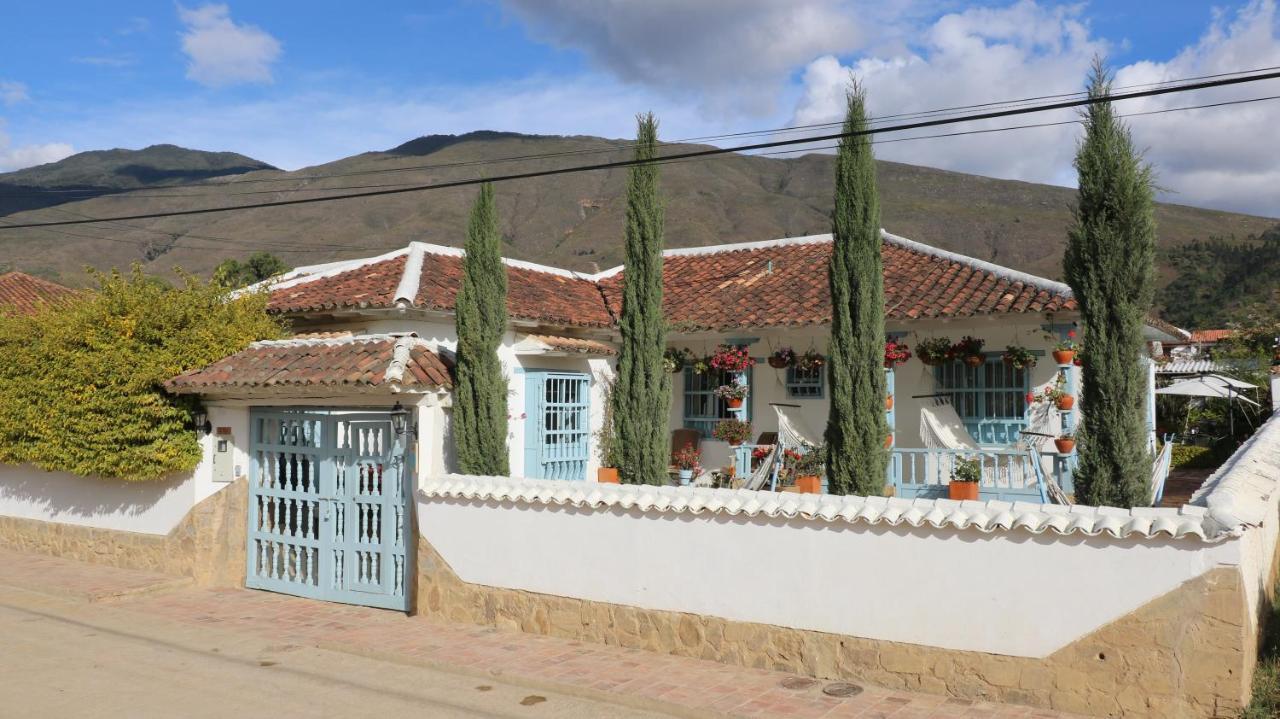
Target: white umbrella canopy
column 1221, row 379
column 1204, row 387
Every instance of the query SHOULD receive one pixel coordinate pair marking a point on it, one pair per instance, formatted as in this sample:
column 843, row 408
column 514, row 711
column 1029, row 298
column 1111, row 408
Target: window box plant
column 1018, row 357
column 728, row 358
column 674, row 360
column 733, row 431
column 1065, row 351
column 810, row 361
column 808, row 468
column 934, row 351
column 732, row 394
column 965, row 476
column 782, row 358
column 687, row 461
column 895, row 353
column 969, row 350
column 1065, row 443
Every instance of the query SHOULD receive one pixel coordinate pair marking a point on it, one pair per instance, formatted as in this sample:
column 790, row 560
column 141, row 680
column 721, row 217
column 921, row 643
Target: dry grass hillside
column 572, row 220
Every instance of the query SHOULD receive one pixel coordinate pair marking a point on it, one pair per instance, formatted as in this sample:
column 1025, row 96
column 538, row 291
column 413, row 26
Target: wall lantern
column 399, row 418
column 201, row 416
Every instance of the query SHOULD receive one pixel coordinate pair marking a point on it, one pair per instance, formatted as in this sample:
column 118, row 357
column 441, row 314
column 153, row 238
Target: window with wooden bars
column 990, row 398
column 702, row 409
column 805, row 383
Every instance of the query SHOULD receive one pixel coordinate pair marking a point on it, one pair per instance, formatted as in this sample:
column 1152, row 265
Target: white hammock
column 942, row 428
column 792, row 433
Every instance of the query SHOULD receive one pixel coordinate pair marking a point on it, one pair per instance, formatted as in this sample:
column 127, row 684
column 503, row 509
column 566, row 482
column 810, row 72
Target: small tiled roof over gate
column 401, row 362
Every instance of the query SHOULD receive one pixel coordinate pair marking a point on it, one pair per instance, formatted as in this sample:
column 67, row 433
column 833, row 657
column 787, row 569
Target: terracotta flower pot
column 888, row 441
column 1066, row 402
column 735, row 442
column 777, row 362
column 1065, row 445
column 809, row 484
column 962, row 490
column 888, row 403
column 733, row 403
column 607, row 475
column 1063, row 357
column 974, row 360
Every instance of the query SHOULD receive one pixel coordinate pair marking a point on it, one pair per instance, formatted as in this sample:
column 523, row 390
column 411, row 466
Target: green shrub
column 80, row 382
column 1186, row 456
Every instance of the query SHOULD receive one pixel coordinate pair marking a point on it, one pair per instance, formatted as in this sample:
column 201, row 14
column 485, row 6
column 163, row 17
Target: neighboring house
column 1191, row 354
column 23, row 293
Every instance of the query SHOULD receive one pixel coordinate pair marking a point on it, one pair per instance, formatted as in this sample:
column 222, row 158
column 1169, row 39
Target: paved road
column 62, row 658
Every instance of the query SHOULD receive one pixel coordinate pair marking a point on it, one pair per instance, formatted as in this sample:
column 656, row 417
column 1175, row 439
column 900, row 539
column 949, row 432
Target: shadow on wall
column 30, row 492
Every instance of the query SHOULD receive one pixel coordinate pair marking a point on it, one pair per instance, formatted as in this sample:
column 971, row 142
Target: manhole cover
column 797, row 683
column 842, row 689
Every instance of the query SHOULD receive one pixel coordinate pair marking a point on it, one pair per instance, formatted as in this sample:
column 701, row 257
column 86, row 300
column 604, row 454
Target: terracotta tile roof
column 533, row 293
column 22, row 293
column 1210, row 335
column 359, row 362
column 574, row 345
column 784, row 283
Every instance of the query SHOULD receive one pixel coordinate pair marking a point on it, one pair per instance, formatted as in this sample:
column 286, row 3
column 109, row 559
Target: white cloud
column 1214, row 157
column 222, row 52
column 13, row 92
column 732, row 55
column 16, row 158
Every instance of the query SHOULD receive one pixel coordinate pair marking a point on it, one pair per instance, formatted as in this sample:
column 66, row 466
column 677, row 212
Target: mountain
column 1220, row 281
column 100, row 172
column 571, row 220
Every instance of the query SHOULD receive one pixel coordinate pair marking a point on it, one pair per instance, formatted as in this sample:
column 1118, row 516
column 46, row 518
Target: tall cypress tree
column 480, row 399
column 642, row 392
column 856, row 425
column 1110, row 265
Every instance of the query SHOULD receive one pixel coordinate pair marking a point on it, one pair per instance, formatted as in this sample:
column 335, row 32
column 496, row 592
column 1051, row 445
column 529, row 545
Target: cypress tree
column 1110, row 265
column 480, row 397
column 856, row 424
column 642, row 391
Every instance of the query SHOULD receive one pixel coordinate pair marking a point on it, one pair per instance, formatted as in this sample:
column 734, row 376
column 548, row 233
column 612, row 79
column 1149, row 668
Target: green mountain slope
column 572, row 220
column 1220, row 280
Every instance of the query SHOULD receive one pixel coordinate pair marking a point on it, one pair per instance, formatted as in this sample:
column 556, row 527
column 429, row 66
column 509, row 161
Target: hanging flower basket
column 782, row 358
column 969, row 349
column 810, row 361
column 728, row 358
column 895, row 353
column 674, row 360
column 934, row 351
column 1018, row 357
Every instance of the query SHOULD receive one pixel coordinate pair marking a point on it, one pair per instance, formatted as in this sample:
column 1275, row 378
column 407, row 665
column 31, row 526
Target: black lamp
column 201, row 416
column 399, row 418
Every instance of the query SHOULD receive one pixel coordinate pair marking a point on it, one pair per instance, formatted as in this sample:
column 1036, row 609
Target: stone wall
column 1184, row 654
column 208, row 545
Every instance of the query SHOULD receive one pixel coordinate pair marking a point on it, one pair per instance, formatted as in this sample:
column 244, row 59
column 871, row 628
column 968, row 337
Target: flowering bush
column 687, row 457
column 895, row 353
column 733, row 431
column 934, row 351
column 728, row 358
column 810, row 361
column 730, row 391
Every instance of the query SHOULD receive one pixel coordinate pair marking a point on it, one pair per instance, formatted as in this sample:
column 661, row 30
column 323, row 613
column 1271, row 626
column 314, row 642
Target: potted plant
column 969, row 350
column 733, row 431
column 1079, row 359
column 934, row 351
column 732, row 394
column 1018, row 357
column 888, row 403
column 1065, row 350
column 1058, row 395
column 895, row 353
column 1065, row 442
column 687, row 462
column 965, row 476
column 782, row 358
column 888, row 440
column 674, row 360
column 701, row 365
column 606, row 438
column 810, row 361
column 728, row 358
column 808, row 468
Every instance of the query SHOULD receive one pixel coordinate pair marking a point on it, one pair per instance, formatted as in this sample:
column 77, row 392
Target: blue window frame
column 702, row 409
column 805, row 384
column 990, row 398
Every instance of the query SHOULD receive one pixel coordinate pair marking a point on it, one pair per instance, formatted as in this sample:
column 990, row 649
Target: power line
column 129, row 193
column 709, row 152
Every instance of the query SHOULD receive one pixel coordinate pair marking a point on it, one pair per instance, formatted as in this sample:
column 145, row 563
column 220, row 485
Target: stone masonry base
column 1184, row 654
column 208, row 545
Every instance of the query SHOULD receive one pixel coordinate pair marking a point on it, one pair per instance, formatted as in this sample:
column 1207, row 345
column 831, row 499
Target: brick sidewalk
column 630, row 676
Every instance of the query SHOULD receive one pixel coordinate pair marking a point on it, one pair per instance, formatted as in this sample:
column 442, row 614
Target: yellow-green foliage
column 80, row 382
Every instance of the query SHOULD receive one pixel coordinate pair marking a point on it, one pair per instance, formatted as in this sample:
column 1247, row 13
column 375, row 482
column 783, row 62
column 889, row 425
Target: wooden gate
column 328, row 507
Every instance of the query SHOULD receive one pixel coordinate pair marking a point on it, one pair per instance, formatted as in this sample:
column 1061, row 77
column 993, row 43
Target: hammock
column 792, row 433
column 942, row 428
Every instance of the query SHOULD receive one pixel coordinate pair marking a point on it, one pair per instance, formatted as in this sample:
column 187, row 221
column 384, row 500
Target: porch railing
column 1007, row 474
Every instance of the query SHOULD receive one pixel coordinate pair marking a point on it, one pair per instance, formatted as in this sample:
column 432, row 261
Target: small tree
column 642, row 391
column 260, row 266
column 480, row 397
column 1110, row 265
column 81, row 379
column 856, row 425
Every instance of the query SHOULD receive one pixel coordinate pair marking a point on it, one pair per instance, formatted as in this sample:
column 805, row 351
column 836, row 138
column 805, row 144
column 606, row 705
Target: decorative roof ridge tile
column 1243, row 491
column 339, row 340
column 984, row 516
column 447, row 251
column 407, row 290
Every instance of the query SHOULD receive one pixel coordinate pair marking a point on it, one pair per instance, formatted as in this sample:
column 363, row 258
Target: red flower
column 1071, row 334
column 1031, row 397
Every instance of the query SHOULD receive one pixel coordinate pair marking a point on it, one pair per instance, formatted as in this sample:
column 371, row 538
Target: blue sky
column 297, row 84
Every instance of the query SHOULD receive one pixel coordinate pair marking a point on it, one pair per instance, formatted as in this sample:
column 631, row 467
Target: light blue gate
column 557, row 424
column 328, row 507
